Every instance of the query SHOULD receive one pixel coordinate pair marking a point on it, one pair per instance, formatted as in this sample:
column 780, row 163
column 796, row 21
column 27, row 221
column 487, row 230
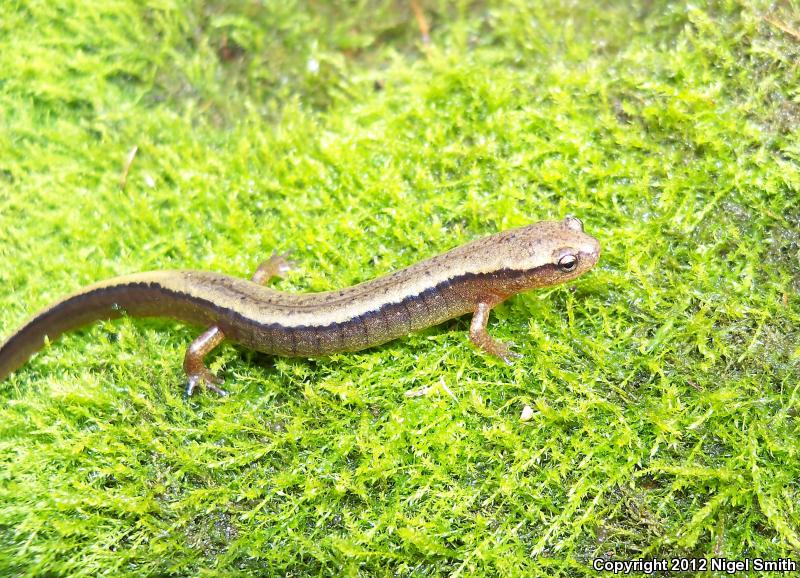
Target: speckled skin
column 482, row 273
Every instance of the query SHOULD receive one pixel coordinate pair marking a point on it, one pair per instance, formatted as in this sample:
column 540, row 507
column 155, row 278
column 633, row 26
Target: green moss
column 664, row 383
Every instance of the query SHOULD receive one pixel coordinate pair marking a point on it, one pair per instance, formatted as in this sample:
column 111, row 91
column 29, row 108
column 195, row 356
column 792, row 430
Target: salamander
column 472, row 278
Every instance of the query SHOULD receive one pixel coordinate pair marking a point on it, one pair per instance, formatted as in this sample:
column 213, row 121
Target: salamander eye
column 568, row 263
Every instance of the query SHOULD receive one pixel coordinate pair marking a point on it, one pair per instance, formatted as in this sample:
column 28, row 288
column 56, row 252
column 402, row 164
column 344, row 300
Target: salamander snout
column 591, row 249
column 588, row 252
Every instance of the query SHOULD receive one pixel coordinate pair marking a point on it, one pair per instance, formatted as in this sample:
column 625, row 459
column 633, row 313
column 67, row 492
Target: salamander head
column 574, row 252
column 549, row 252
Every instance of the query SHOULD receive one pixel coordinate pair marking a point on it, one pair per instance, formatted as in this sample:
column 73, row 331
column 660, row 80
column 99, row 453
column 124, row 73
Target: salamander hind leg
column 481, row 338
column 193, row 362
column 276, row 266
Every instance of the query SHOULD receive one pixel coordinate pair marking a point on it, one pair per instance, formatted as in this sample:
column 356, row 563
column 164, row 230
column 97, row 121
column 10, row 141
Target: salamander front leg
column 193, row 362
column 482, row 339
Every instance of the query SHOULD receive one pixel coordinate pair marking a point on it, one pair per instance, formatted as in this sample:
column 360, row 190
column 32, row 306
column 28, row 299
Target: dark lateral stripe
column 231, row 315
column 133, row 298
column 153, row 299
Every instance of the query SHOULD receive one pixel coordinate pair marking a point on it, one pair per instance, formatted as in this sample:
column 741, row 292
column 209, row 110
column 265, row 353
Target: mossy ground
column 665, row 383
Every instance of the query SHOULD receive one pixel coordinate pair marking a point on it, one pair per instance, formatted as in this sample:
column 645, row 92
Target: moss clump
column 665, row 385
